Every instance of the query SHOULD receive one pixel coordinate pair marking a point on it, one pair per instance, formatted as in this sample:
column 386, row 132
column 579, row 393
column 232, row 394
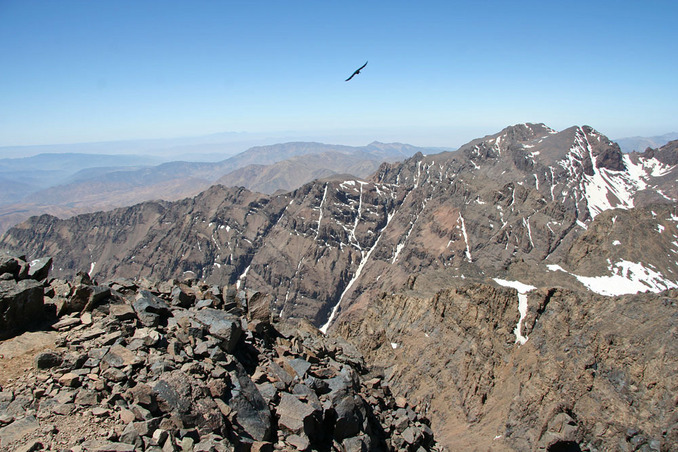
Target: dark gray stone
column 47, row 360
column 222, row 325
column 253, row 414
column 298, row 417
column 21, row 304
column 150, row 309
column 349, row 418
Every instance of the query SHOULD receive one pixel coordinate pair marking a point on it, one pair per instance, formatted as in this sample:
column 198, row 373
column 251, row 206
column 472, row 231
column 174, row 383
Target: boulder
column 298, row 417
column 150, row 309
column 251, row 410
column 21, row 304
column 222, row 325
column 39, row 268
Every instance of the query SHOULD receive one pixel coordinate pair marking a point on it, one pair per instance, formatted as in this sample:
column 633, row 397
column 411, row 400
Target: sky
column 440, row 73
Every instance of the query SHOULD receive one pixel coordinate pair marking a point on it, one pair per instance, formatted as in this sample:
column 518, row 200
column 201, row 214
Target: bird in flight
column 357, row 71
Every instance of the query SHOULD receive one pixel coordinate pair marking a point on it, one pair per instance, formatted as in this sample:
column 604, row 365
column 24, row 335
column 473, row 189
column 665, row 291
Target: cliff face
column 506, row 204
column 595, row 371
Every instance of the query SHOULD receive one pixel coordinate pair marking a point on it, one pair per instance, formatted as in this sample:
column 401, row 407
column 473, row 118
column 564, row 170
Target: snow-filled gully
column 522, row 289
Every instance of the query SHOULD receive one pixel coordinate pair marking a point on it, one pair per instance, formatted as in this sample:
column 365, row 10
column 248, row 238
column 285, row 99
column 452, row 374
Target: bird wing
column 357, row 71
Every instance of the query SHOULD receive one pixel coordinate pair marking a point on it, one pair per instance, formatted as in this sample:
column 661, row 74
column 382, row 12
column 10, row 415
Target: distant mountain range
column 68, row 184
column 639, row 144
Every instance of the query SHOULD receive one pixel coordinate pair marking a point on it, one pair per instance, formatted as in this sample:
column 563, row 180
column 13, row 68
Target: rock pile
column 181, row 366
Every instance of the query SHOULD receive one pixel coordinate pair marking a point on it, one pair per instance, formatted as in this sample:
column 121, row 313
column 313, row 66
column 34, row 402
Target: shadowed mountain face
column 407, row 264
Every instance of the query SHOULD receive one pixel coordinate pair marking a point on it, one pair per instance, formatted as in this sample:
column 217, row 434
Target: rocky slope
column 596, row 373
column 137, row 366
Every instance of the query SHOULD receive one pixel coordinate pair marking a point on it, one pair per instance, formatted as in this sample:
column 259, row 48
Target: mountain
column 425, row 249
column 76, row 185
column 518, row 198
column 639, row 144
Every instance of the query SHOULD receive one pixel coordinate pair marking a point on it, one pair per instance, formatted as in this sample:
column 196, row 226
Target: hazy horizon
column 439, row 73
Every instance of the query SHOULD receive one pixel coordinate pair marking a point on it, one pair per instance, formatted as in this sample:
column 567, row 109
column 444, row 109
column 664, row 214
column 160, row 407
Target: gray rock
column 300, row 366
column 349, row 418
column 179, row 393
column 222, row 325
column 39, row 268
column 252, row 412
column 18, row 429
column 9, row 264
column 122, row 311
column 21, row 304
column 182, row 296
column 354, row 444
column 150, row 308
column 47, row 360
column 298, row 417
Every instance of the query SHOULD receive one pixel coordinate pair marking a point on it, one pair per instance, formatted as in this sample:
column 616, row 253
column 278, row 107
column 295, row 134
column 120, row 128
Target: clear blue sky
column 439, row 72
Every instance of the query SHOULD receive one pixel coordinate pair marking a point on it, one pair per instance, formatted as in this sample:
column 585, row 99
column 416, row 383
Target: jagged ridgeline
column 521, row 197
column 406, row 264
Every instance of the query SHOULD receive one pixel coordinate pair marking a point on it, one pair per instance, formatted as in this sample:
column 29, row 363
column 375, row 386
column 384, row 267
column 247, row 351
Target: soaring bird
column 357, row 71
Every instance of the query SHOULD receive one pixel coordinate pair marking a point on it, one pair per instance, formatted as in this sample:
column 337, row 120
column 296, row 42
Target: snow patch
column 463, row 231
column 522, row 289
column 626, row 278
column 242, row 278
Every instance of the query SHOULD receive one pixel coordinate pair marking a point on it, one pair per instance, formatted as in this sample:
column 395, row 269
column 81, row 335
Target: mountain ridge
column 523, row 194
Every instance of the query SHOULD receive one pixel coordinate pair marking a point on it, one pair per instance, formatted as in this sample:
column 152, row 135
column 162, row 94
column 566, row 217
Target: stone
column 70, row 379
column 107, row 446
column 259, row 307
column 47, row 360
column 222, row 325
column 66, row 323
column 252, row 411
column 182, row 296
column 21, row 305
column 179, row 393
column 349, row 418
column 354, row 444
column 18, row 429
column 119, row 357
column 122, row 311
column 412, row 435
column 39, row 268
column 150, row 309
column 298, row 366
column 261, row 446
column 9, row 264
column 30, row 446
column 299, row 442
column 297, row 416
